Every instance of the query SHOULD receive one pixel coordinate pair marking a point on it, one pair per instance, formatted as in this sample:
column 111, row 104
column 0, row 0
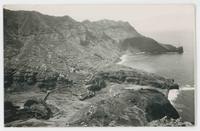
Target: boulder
column 39, row 109
column 10, row 111
column 86, row 94
column 96, row 84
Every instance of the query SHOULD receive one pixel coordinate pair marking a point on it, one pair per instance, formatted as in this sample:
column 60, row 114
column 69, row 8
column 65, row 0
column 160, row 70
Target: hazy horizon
column 150, row 20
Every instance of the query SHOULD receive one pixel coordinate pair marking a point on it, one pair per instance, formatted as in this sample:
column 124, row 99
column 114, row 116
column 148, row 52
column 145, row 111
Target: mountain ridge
column 43, row 43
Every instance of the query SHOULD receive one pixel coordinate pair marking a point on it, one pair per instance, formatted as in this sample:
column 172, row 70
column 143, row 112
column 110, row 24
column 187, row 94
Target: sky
column 149, row 20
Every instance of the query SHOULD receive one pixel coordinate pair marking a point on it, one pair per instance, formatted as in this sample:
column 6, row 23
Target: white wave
column 173, row 94
column 187, row 87
column 140, row 53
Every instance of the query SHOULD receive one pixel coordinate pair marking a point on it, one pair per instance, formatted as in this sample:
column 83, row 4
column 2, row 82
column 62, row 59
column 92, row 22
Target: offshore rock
column 180, row 50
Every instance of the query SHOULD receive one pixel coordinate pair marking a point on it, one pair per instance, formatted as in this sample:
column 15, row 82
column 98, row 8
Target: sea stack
column 180, row 50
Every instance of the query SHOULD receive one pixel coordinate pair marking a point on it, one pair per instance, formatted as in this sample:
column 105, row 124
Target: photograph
column 99, row 65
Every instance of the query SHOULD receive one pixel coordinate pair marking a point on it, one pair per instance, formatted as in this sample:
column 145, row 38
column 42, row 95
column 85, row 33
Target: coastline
column 174, row 95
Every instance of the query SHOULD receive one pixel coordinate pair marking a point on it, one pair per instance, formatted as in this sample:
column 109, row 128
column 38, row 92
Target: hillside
column 61, row 42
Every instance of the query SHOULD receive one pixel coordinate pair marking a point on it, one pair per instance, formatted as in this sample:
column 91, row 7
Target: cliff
column 128, row 108
column 126, row 76
column 148, row 45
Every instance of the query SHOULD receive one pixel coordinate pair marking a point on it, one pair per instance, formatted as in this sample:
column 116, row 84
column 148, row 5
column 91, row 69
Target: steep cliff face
column 148, row 45
column 116, row 30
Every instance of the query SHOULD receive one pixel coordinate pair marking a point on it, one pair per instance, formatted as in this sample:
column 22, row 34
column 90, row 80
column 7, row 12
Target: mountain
column 54, row 41
column 34, row 42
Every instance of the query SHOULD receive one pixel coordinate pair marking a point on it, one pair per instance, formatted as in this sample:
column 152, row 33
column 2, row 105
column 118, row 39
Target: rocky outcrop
column 124, row 75
column 10, row 111
column 38, row 108
column 135, row 77
column 32, row 108
column 128, row 108
column 17, row 80
column 13, row 113
column 131, row 76
column 169, row 122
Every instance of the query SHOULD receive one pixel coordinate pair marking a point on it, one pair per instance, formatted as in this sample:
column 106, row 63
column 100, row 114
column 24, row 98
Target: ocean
column 179, row 67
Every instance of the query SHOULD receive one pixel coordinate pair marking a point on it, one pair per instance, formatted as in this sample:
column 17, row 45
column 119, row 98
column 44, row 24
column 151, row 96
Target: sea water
column 179, row 67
